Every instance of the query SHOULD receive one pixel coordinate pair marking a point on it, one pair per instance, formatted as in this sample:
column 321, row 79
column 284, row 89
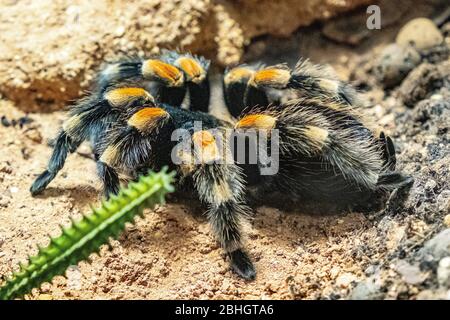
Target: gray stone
column 443, row 202
column 367, row 290
column 438, row 246
column 443, row 272
column 395, row 63
column 411, row 274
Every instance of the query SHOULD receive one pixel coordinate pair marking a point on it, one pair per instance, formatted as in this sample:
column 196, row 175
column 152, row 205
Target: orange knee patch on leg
column 257, row 121
column 156, row 69
column 205, row 147
column 192, row 68
column 122, row 96
column 147, row 119
column 271, row 77
column 238, row 75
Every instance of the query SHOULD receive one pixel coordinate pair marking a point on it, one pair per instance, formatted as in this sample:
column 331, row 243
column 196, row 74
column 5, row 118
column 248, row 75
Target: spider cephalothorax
column 324, row 151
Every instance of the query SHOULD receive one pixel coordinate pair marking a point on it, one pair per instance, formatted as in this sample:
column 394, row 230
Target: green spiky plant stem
column 84, row 237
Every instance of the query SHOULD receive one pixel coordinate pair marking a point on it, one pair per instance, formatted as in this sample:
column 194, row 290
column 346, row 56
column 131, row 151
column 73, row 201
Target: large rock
column 423, row 81
column 395, row 63
column 49, row 49
column 421, row 33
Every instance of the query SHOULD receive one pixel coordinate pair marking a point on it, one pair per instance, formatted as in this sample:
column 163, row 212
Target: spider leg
column 255, row 97
column 391, row 151
column 170, row 82
column 220, row 186
column 75, row 130
column 199, row 95
column 128, row 145
column 221, row 191
column 172, row 96
column 128, row 68
column 390, row 179
column 109, row 177
column 63, row 145
column 90, row 118
column 195, row 69
column 238, row 93
column 308, row 80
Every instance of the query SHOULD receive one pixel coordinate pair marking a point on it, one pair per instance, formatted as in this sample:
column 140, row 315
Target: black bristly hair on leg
column 242, row 264
column 237, row 91
column 391, row 151
column 195, row 69
column 63, row 146
column 128, row 68
column 89, row 120
column 234, row 97
column 316, row 80
column 308, row 81
column 169, row 81
column 199, row 95
column 390, row 179
column 109, row 178
column 255, row 97
column 221, row 188
column 172, row 96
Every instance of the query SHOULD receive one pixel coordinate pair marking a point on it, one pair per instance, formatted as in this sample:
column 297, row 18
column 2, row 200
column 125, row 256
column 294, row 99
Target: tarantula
column 325, row 151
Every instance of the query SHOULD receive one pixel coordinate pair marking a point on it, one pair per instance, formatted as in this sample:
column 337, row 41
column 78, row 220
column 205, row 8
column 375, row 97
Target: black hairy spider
column 325, row 152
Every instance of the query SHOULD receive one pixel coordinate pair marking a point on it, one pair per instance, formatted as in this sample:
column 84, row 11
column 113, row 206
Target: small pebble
column 5, row 122
column 367, row 290
column 443, row 272
column 4, row 201
column 430, row 185
column 5, row 168
column 45, row 297
column 345, row 279
column 411, row 274
column 34, row 135
column 24, row 120
column 334, row 272
column 443, row 201
column 447, row 220
column 438, row 246
column 120, row 31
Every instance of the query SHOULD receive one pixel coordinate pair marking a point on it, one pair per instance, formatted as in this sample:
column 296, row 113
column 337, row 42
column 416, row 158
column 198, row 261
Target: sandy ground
column 171, row 254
